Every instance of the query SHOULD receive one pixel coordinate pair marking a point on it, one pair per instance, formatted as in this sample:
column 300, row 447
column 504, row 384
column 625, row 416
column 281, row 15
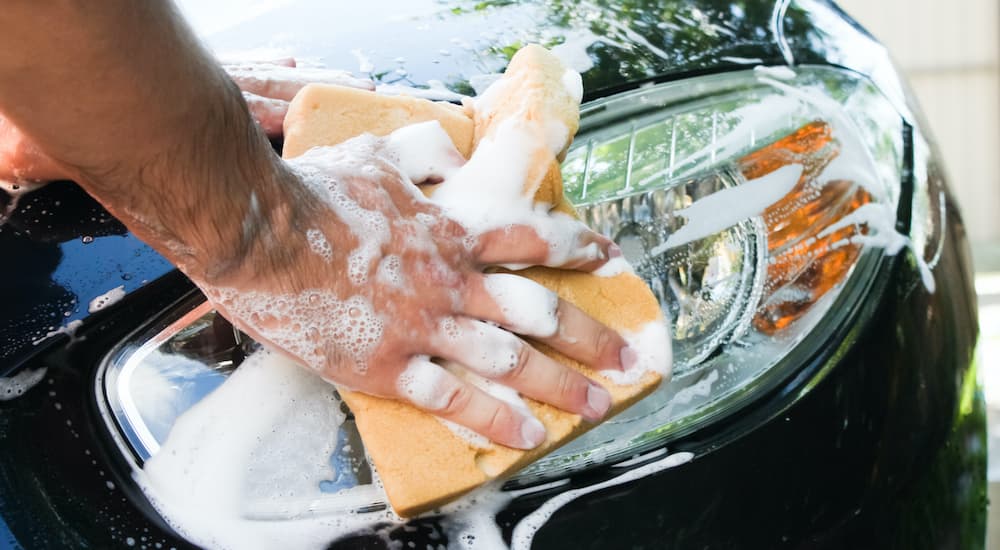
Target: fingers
column 501, row 356
column 277, row 82
column 251, row 64
column 269, row 113
column 526, row 307
column 434, row 389
column 555, row 240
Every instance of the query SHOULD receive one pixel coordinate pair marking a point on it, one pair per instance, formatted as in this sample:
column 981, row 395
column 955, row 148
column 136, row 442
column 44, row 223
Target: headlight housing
column 746, row 200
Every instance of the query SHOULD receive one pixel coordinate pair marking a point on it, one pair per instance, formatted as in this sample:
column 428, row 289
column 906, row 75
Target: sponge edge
column 327, row 114
column 421, row 463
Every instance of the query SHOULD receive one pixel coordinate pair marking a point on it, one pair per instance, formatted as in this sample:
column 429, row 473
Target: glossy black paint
column 876, row 442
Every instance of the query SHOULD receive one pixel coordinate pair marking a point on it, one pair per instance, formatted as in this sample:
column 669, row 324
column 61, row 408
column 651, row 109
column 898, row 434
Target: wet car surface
column 868, row 432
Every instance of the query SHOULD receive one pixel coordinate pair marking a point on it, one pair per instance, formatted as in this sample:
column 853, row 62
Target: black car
column 824, row 391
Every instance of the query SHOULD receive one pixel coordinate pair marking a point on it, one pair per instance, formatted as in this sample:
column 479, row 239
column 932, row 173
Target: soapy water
column 243, row 469
column 15, row 386
column 107, row 299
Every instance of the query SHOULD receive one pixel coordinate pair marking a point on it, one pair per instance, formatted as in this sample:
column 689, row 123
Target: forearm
column 126, row 99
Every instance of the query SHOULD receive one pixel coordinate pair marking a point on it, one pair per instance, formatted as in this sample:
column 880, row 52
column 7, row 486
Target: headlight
column 748, row 201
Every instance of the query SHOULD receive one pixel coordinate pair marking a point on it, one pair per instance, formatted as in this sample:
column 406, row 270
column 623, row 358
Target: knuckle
column 603, row 342
column 457, row 401
column 520, row 362
column 501, row 421
column 569, row 389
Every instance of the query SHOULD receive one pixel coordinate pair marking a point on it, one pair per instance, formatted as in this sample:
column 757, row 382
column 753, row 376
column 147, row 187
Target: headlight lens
column 746, row 201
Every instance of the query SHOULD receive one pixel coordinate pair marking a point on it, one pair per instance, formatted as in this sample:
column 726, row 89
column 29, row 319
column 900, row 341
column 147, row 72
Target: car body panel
column 877, row 441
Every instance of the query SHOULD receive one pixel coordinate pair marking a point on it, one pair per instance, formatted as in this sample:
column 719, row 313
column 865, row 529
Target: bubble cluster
column 491, row 352
column 303, row 324
column 528, row 307
column 422, row 383
column 323, row 171
column 319, row 245
column 390, row 271
column 17, row 385
column 109, row 298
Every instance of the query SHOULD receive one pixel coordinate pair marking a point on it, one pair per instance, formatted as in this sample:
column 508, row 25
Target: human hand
column 267, row 87
column 352, row 272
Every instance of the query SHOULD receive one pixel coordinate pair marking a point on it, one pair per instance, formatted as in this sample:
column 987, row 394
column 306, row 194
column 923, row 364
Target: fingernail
column 614, row 251
column 598, row 403
column 533, row 433
column 628, row 357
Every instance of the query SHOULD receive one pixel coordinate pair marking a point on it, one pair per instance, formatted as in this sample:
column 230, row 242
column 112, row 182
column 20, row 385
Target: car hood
column 613, row 43
column 447, row 45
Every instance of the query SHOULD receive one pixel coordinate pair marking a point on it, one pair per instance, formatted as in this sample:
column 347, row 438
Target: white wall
column 951, row 53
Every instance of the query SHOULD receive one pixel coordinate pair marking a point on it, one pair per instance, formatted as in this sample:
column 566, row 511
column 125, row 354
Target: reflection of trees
column 640, row 39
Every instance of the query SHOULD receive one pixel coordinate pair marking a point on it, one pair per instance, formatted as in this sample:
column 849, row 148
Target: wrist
column 210, row 197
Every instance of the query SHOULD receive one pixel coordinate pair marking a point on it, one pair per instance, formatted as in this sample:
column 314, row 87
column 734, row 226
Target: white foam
column 16, row 386
column 525, row 530
column 573, row 51
column 323, row 169
column 781, row 72
column 730, row 206
column 881, row 223
column 528, row 307
column 490, row 351
column 574, row 84
column 614, row 267
column 424, row 152
column 433, row 92
column 365, row 64
column 303, row 323
column 107, row 299
column 257, row 446
column 742, row 60
column 319, row 245
column 652, row 345
column 69, row 329
column 423, row 383
column 390, row 272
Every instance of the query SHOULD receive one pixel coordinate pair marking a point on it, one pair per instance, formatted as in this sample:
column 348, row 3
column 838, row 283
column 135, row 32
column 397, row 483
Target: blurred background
column 951, row 53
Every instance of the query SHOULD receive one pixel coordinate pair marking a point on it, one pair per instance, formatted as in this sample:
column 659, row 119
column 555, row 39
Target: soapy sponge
column 421, row 463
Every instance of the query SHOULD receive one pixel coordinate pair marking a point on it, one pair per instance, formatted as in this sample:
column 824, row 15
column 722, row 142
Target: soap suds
column 107, row 299
column 258, row 446
column 16, row 386
column 652, row 345
column 881, row 223
column 730, row 206
column 422, row 383
column 319, row 245
column 781, row 72
column 742, row 60
column 525, row 530
column 289, row 322
column 69, row 329
column 528, row 307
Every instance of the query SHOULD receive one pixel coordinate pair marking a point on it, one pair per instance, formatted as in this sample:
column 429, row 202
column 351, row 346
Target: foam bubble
column 422, row 383
column 17, row 385
column 528, row 307
column 652, row 345
column 302, row 323
column 107, row 299
column 390, row 271
column 319, row 245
